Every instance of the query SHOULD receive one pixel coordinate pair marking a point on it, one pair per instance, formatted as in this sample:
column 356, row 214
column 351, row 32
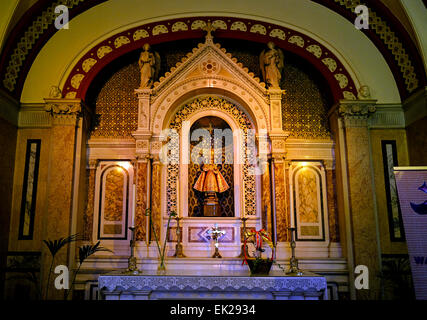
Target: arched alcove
column 211, row 142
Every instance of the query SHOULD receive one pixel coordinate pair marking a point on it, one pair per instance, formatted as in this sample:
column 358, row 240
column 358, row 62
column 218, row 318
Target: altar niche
column 211, row 170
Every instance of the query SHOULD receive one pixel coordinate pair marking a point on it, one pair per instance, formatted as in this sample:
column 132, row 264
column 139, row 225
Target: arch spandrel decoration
column 28, row 38
column 323, row 59
column 243, row 122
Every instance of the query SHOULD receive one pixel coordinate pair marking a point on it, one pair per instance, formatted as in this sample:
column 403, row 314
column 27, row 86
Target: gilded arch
column 329, row 65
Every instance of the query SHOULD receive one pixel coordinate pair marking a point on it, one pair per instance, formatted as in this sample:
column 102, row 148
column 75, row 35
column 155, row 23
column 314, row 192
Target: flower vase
column 259, row 266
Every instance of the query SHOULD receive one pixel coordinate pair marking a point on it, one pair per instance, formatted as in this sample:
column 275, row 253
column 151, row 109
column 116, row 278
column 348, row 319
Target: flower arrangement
column 161, row 249
column 257, row 263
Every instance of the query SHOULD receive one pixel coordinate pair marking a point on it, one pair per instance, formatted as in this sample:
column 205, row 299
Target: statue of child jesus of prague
column 210, row 182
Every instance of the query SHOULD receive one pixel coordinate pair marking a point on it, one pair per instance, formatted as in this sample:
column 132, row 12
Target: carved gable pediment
column 209, row 61
column 208, row 66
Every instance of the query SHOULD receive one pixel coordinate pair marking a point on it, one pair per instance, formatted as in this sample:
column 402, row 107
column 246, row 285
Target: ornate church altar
column 211, row 285
column 209, row 149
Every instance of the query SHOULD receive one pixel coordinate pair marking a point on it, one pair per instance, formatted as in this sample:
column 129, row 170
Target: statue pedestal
column 211, row 210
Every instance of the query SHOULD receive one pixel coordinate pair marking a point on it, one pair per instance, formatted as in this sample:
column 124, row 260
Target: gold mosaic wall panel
column 304, row 108
column 305, row 104
column 117, row 104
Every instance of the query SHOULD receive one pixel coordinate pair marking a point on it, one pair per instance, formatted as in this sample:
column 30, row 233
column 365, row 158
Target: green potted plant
column 85, row 251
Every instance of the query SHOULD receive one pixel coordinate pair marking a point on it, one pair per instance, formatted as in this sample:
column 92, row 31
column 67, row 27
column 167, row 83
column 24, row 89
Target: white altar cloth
column 211, row 285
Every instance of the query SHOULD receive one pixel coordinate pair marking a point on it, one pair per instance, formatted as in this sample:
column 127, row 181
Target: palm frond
column 88, row 250
column 56, row 245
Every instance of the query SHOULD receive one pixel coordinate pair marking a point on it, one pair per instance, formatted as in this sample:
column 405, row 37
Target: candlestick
column 242, row 251
column 178, row 248
column 293, row 263
column 132, row 263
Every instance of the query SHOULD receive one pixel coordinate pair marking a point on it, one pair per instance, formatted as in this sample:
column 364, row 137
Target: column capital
column 142, row 148
column 275, row 93
column 143, row 93
column 67, row 111
column 64, row 111
column 93, row 164
column 155, row 150
column 355, row 113
column 279, row 157
column 278, row 145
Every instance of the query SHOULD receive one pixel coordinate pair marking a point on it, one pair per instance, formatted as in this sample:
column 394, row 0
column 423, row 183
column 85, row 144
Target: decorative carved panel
column 309, row 201
column 112, row 200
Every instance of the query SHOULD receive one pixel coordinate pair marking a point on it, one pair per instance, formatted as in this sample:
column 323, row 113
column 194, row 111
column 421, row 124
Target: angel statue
column 271, row 63
column 149, row 65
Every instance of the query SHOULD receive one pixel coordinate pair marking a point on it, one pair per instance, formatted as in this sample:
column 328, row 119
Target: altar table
column 211, row 285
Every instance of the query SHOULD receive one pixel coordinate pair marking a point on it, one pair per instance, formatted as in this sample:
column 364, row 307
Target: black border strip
column 21, row 236
column 393, row 238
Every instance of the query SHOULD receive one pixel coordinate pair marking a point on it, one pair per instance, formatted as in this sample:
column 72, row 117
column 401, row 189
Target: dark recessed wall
column 8, row 133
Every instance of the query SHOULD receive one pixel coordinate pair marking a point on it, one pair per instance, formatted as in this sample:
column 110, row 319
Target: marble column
column 359, row 185
column 156, row 197
column 267, row 220
column 282, row 212
column 141, row 199
column 65, row 114
column 143, row 167
column 332, row 201
column 278, row 153
column 88, row 214
column 266, row 200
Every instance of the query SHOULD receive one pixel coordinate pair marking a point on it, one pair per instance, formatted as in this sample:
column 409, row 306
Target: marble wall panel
column 115, row 229
column 59, row 194
column 156, row 198
column 42, row 185
column 282, row 214
column 266, row 201
column 88, row 213
column 331, row 195
column 417, row 142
